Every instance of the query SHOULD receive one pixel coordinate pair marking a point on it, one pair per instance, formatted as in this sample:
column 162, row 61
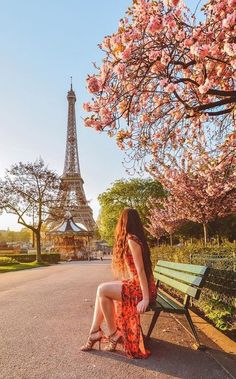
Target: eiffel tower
column 71, row 194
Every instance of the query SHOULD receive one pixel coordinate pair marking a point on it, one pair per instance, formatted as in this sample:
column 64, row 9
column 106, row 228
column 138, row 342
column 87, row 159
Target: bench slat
column 194, row 269
column 170, row 301
column 185, row 288
column 187, row 278
column 163, row 303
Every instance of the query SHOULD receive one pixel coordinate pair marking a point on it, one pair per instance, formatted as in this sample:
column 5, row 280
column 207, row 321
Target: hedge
column 6, row 261
column 23, row 258
column 183, row 253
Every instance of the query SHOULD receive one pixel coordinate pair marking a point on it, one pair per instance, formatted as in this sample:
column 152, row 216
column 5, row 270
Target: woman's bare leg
column 108, row 292
column 97, row 316
column 104, row 306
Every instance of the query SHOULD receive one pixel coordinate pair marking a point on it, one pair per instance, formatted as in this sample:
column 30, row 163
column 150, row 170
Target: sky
column 43, row 43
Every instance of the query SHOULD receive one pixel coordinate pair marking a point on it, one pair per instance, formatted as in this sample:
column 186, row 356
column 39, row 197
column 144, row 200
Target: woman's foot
column 94, row 336
column 113, row 340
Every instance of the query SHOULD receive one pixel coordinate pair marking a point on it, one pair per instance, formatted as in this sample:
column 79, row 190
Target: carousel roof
column 68, row 225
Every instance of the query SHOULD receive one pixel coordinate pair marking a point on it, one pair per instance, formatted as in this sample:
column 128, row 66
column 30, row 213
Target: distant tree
column 11, row 236
column 224, row 228
column 190, row 230
column 29, row 189
column 133, row 193
column 24, row 235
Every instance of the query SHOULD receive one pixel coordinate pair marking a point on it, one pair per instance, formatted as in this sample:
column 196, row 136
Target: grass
column 22, row 266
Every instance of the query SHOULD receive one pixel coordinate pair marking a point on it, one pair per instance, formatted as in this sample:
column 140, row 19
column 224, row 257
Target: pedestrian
column 101, row 255
column 121, row 302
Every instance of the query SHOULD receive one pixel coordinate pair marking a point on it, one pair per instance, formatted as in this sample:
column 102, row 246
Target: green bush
column 217, row 311
column 7, row 261
column 27, row 258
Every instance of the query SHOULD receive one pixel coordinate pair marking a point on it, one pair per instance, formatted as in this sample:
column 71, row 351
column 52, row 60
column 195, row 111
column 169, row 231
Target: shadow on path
column 174, row 360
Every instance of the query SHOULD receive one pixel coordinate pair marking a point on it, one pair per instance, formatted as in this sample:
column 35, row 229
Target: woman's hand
column 142, row 305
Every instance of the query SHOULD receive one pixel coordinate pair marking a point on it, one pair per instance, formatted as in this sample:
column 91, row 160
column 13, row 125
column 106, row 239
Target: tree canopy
column 133, row 193
column 169, row 78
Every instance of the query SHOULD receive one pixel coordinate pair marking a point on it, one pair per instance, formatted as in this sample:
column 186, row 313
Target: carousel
column 69, row 239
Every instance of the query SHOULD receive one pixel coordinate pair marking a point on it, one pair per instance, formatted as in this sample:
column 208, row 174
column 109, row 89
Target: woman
column 121, row 302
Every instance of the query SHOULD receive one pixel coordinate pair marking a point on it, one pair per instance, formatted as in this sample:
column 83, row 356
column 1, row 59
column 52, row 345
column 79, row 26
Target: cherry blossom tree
column 155, row 230
column 203, row 188
column 166, row 79
column 165, row 217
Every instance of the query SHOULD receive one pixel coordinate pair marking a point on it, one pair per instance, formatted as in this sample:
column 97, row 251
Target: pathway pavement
column 45, row 314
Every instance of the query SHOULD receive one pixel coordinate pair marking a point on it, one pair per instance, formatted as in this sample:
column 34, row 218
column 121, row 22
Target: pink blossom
column 180, row 36
column 233, row 63
column 230, row 49
column 154, row 55
column 171, row 3
column 170, row 87
column 175, row 2
column 88, row 122
column 87, row 107
column 205, row 87
column 106, row 43
column 204, row 51
column 165, row 58
column 119, row 68
column 155, row 25
column 230, row 20
column 93, row 84
column 126, row 54
column 105, row 116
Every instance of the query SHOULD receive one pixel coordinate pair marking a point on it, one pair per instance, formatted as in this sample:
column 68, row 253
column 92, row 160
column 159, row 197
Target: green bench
column 186, row 278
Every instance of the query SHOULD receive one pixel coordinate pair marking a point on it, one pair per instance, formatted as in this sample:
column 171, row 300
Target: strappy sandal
column 91, row 341
column 113, row 341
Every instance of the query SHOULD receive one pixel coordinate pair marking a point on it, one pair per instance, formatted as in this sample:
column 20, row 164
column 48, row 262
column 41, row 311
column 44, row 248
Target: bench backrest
column 186, row 278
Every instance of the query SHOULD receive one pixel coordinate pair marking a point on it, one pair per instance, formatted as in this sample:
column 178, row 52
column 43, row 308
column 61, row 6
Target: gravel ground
column 45, row 314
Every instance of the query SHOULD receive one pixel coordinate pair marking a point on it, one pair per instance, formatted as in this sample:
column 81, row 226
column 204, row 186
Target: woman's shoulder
column 133, row 237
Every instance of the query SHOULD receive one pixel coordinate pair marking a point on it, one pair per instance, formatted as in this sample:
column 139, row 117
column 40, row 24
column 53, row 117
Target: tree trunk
column 205, row 234
column 38, row 246
column 171, row 240
column 33, row 240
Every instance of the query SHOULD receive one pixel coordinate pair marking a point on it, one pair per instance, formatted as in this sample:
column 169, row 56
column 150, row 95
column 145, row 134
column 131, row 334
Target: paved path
column 45, row 315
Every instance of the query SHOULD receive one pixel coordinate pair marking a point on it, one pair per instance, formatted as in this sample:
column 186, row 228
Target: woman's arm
column 136, row 251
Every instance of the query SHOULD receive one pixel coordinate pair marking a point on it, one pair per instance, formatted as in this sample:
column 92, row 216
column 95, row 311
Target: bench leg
column 141, row 329
column 193, row 328
column 153, row 323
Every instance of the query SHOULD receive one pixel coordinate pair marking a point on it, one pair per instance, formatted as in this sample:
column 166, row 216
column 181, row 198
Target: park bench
column 186, row 278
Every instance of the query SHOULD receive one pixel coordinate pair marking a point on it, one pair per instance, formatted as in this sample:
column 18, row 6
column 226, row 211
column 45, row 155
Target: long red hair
column 129, row 223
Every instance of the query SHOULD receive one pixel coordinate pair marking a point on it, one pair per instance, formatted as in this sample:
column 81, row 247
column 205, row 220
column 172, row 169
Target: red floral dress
column 128, row 319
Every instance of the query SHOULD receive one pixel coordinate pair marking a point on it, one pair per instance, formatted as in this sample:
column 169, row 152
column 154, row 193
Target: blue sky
column 43, row 43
